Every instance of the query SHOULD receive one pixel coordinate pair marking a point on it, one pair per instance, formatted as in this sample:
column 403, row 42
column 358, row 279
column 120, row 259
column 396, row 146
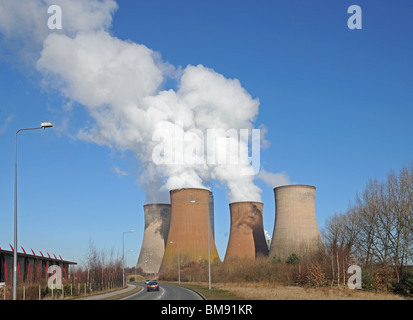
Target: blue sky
column 337, row 105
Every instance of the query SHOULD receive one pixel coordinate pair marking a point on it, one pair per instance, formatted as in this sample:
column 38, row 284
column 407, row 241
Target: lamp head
column 45, row 125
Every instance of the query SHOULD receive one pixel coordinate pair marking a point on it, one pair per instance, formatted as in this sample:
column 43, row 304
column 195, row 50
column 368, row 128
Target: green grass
column 213, row 294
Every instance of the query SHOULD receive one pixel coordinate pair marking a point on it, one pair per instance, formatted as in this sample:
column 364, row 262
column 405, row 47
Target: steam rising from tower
column 122, row 86
column 124, row 92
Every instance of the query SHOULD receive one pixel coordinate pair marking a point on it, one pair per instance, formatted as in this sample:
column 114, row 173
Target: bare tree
column 99, row 270
column 377, row 230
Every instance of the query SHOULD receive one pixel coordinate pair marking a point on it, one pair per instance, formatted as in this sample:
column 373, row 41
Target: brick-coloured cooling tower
column 247, row 238
column 295, row 228
column 157, row 220
column 190, row 224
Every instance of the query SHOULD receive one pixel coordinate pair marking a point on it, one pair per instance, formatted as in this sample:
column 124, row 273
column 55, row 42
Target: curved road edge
column 198, row 293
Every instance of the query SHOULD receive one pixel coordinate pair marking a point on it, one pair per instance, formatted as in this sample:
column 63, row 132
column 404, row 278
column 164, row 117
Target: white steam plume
column 23, row 23
column 119, row 82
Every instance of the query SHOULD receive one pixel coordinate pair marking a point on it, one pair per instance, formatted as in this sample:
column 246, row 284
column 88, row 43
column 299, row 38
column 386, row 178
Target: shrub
column 367, row 281
column 315, row 275
column 404, row 286
column 275, row 259
column 292, row 259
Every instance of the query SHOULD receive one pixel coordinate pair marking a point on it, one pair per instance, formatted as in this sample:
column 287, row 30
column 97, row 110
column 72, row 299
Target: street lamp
column 131, row 250
column 209, row 250
column 123, row 256
column 43, row 125
column 179, row 265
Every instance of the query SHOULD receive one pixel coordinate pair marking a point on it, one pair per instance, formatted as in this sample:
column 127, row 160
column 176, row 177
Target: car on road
column 153, row 286
column 147, row 281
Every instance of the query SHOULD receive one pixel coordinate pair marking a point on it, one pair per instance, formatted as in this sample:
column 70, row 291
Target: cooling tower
column 189, row 229
column 157, row 220
column 295, row 228
column 247, row 238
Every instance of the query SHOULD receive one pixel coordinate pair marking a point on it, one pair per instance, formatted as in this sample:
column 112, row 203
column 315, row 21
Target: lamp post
column 131, row 250
column 179, row 264
column 43, row 125
column 123, row 256
column 209, row 249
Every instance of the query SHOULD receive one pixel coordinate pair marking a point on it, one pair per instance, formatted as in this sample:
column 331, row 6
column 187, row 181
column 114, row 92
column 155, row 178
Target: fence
column 43, row 292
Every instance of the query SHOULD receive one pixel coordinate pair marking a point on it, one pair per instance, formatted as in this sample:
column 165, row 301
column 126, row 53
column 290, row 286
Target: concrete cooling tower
column 189, row 229
column 295, row 228
column 157, row 220
column 247, row 238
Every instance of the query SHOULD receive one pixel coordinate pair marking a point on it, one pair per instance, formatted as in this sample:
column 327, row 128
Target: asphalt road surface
column 166, row 292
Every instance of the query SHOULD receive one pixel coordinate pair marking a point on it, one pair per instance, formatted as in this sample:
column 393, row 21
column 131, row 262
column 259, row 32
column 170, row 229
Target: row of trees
column 305, row 271
column 375, row 232
column 100, row 270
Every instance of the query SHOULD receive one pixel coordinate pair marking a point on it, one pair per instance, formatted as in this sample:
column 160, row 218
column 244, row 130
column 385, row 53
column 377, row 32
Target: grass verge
column 137, row 289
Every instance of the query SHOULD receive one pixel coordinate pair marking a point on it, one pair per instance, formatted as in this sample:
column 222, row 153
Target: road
column 166, row 292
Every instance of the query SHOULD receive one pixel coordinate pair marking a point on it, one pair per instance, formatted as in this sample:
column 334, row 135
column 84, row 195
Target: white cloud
column 119, row 172
column 274, row 179
column 4, row 126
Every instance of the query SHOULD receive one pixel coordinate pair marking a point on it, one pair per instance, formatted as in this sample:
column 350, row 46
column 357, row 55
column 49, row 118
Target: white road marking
column 163, row 292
